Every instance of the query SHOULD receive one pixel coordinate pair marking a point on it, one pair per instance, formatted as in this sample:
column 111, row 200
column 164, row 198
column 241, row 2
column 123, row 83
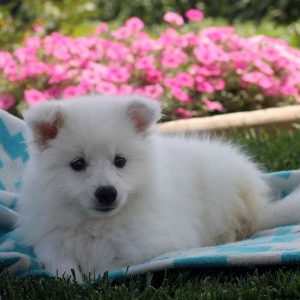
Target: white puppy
column 103, row 190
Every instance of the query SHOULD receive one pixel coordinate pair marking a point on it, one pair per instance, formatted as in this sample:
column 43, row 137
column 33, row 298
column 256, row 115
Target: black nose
column 106, row 195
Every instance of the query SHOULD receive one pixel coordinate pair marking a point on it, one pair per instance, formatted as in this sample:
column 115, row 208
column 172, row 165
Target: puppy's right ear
column 143, row 114
column 44, row 120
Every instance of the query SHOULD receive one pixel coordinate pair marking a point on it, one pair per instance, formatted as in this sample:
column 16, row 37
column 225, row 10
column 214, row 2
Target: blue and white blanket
column 277, row 246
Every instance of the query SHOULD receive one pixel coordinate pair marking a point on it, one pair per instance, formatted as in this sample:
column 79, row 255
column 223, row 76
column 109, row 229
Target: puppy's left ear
column 143, row 114
column 44, row 121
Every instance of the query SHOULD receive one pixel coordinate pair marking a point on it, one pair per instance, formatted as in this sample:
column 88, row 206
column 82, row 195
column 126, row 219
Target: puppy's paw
column 57, row 264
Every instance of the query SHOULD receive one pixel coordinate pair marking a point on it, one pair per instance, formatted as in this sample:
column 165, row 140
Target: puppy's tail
column 281, row 212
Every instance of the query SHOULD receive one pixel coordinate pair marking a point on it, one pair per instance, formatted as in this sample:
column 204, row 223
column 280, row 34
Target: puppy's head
column 93, row 152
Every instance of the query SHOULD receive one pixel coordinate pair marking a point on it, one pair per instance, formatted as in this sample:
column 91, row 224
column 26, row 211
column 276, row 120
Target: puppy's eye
column 119, row 161
column 78, row 164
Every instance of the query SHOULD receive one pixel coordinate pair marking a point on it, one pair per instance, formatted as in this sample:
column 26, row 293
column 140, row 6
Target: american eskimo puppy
column 103, row 190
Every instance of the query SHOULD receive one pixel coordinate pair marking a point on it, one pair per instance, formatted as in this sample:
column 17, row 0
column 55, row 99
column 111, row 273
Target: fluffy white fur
column 174, row 193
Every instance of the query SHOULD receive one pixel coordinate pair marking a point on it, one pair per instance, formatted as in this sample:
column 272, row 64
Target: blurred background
column 276, row 18
column 249, row 70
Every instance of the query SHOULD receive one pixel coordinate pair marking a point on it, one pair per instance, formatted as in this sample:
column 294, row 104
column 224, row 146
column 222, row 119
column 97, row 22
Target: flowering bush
column 193, row 72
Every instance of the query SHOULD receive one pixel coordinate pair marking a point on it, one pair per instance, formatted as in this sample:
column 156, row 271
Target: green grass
column 282, row 283
column 277, row 152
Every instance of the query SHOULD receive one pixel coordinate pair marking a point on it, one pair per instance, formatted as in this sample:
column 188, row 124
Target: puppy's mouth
column 104, row 209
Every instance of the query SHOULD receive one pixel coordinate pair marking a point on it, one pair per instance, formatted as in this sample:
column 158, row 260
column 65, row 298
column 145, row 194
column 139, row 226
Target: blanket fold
column 277, row 246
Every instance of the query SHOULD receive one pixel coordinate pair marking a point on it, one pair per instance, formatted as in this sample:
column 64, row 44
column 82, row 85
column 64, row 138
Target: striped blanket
column 277, row 246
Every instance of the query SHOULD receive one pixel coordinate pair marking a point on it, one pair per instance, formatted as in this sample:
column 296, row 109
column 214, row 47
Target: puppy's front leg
column 57, row 263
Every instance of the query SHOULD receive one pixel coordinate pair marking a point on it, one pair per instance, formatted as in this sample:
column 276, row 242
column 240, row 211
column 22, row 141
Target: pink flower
column 90, row 77
column 172, row 82
column 10, row 68
column 86, row 87
column 289, row 90
column 240, row 66
column 205, row 86
column 173, row 59
column 62, row 52
column 25, row 55
column 153, row 91
column 217, row 34
column 6, row 101
column 266, row 83
column 117, row 74
column 183, row 113
column 122, row 33
column 251, row 77
column 273, row 91
column 34, row 96
column 102, row 27
column 5, row 57
column 117, row 52
column 263, row 67
column 170, row 61
column 144, row 45
column 173, row 18
column 57, row 73
column 154, row 75
column 190, row 38
column 134, row 24
column 185, row 79
column 125, row 89
column 194, row 15
column 34, row 68
column 211, row 70
column 33, row 42
column 209, row 54
column 180, row 95
column 213, row 105
column 143, row 63
column 52, row 93
column 169, row 37
column 106, row 88
column 182, row 79
column 37, row 28
column 219, row 84
column 260, row 79
column 73, row 91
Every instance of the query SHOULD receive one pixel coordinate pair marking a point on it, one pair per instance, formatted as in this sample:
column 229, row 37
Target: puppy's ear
column 44, row 120
column 143, row 113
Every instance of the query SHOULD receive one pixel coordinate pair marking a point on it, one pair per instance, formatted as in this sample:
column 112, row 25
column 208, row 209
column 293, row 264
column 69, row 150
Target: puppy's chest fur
column 133, row 237
column 97, row 248
column 94, row 252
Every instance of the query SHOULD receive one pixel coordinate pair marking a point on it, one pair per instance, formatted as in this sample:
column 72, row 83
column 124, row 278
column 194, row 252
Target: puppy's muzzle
column 106, row 196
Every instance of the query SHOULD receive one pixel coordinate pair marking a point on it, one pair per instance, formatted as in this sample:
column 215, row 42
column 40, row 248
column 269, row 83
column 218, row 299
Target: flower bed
column 193, row 71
